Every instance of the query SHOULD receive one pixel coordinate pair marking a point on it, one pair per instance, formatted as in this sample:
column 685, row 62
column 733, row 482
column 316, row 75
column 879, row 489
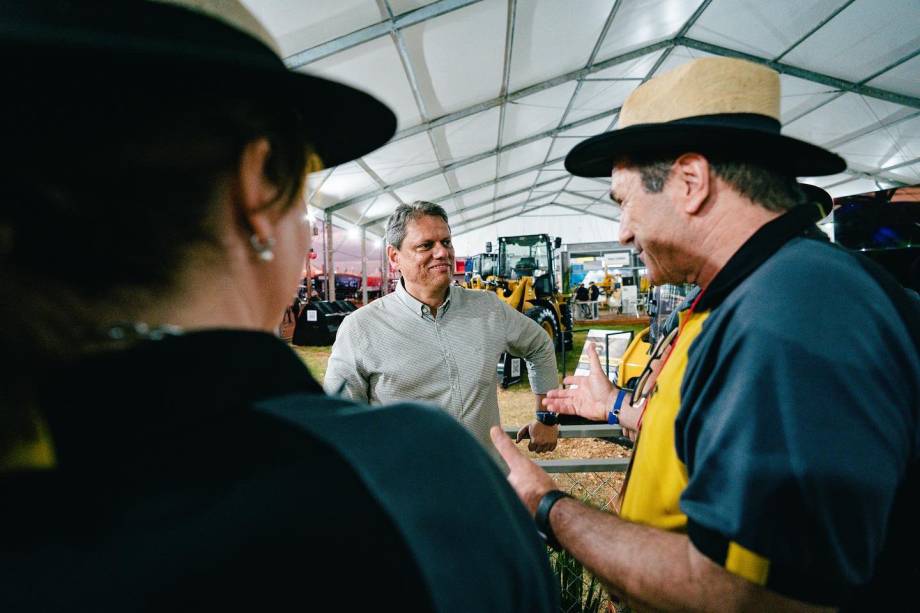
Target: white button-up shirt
column 394, row 350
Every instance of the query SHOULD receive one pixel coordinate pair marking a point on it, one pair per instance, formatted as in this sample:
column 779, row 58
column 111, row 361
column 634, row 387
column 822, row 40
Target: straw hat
column 716, row 105
column 185, row 46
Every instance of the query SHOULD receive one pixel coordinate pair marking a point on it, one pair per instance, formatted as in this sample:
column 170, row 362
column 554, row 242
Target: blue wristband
column 613, row 417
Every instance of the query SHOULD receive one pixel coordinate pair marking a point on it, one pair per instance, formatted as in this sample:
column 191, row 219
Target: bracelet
column 613, row 417
column 541, row 517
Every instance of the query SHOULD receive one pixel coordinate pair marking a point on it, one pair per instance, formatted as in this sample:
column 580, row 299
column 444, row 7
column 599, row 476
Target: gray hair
column 768, row 188
column 404, row 213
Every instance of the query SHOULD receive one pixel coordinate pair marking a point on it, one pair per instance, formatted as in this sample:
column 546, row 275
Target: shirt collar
column 797, row 222
column 419, row 307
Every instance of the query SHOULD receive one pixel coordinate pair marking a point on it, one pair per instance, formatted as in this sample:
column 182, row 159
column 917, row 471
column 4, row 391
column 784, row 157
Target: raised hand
column 592, row 398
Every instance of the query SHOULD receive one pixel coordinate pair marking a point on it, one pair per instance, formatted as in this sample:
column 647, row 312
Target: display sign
column 516, row 367
column 629, row 300
column 618, row 259
column 610, row 346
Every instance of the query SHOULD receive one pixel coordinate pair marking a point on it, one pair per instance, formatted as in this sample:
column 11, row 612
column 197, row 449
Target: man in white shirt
column 439, row 343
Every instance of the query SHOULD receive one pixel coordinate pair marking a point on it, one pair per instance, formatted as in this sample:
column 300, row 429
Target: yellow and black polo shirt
column 785, row 421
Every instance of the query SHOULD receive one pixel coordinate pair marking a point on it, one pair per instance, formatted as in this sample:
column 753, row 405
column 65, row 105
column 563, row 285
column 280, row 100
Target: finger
column 532, row 446
column 523, row 433
column 594, row 360
column 563, row 406
column 574, row 379
column 505, row 447
column 549, row 403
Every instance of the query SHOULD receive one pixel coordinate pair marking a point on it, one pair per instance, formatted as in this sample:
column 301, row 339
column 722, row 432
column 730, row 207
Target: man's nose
column 440, row 251
column 625, row 234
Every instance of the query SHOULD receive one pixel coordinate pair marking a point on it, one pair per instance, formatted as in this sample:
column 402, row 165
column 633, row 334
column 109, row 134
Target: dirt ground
column 517, row 405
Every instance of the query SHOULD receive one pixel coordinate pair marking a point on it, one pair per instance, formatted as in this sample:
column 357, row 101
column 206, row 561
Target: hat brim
column 160, row 48
column 822, row 200
column 595, row 157
column 344, row 123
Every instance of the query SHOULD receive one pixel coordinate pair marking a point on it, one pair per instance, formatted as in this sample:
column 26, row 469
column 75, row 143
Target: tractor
column 479, row 268
column 525, row 279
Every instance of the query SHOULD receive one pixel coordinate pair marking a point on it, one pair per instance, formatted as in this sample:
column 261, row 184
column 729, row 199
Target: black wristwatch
column 547, row 418
column 541, row 517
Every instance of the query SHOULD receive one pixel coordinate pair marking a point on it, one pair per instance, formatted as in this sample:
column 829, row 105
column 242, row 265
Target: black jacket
column 209, row 472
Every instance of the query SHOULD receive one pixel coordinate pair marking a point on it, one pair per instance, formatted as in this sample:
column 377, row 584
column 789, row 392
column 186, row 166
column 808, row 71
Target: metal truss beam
column 471, row 160
column 900, row 165
column 378, row 181
column 808, row 75
column 511, row 194
column 359, row 37
column 412, row 76
column 517, row 213
column 584, row 211
column 837, row 142
column 875, row 174
column 506, row 80
column 532, row 89
column 590, row 199
column 578, row 85
column 808, row 34
column 494, row 212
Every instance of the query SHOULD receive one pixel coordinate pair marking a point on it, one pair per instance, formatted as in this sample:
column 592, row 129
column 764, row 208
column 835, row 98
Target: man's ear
column 393, row 256
column 256, row 193
column 695, row 181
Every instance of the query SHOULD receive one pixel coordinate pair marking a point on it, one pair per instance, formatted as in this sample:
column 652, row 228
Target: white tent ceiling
column 491, row 94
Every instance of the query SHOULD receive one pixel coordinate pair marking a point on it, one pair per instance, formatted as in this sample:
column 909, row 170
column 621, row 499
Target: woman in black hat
column 159, row 447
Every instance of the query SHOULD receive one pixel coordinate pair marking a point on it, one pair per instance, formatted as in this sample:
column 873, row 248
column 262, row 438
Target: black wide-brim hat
column 191, row 47
column 721, row 107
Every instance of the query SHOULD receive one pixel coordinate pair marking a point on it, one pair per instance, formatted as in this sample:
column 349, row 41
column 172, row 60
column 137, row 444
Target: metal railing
column 593, row 481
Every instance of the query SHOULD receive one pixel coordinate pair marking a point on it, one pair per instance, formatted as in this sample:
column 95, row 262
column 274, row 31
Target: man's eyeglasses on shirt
column 645, row 384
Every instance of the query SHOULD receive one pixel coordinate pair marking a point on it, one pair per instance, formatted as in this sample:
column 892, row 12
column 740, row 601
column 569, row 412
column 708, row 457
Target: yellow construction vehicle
column 478, row 268
column 631, row 364
column 526, row 280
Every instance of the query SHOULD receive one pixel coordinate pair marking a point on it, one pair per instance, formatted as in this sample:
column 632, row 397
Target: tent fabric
column 491, row 94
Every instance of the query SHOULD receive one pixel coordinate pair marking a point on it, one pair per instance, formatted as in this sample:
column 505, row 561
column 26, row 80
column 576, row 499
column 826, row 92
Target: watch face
column 547, row 419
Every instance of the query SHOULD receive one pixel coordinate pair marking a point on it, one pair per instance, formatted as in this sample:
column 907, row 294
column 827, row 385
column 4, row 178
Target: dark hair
column 108, row 194
column 404, row 213
column 768, row 188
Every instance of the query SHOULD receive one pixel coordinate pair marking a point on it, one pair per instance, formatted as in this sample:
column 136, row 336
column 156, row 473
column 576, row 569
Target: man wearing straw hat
column 778, row 457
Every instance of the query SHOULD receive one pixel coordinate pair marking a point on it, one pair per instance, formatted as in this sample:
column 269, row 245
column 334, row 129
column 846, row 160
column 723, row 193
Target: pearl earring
column 263, row 248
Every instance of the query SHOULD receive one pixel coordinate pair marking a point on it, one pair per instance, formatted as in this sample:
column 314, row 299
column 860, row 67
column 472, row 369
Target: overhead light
column 354, row 232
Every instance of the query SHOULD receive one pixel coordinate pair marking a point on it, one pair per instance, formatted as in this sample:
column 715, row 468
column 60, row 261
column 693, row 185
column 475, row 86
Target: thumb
column 595, row 361
column 523, row 433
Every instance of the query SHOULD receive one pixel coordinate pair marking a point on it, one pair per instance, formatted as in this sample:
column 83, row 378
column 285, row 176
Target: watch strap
column 541, row 517
column 613, row 417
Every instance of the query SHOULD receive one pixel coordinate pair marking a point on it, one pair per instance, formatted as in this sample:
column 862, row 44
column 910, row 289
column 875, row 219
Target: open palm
column 592, row 398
